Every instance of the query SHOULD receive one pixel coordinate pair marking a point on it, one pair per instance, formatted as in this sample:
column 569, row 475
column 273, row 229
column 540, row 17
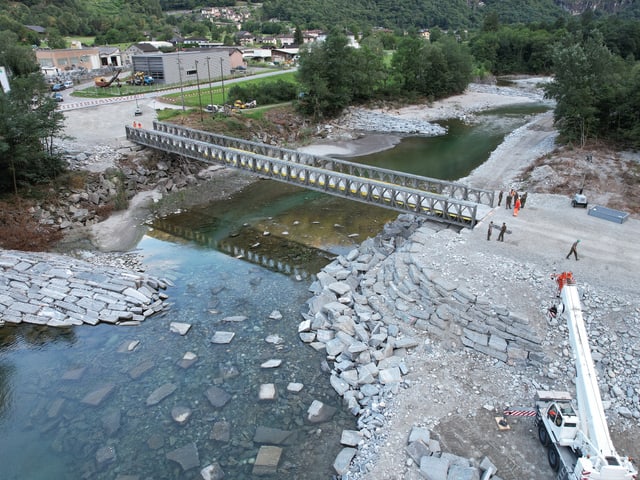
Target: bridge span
column 444, row 201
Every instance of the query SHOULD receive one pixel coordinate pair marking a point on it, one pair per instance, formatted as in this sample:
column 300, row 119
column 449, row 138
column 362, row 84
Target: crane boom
column 590, row 408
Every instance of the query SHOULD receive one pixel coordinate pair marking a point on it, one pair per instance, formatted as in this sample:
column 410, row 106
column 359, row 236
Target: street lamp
column 222, row 78
column 198, row 85
column 210, row 89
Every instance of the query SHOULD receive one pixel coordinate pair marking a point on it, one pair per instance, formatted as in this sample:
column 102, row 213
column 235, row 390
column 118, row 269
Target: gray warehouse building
column 186, row 66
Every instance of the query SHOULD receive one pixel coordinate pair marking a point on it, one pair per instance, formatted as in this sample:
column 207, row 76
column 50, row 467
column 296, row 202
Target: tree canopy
column 29, row 120
column 596, row 92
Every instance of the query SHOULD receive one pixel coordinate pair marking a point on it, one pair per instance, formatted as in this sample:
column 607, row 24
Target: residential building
column 284, row 55
column 138, row 49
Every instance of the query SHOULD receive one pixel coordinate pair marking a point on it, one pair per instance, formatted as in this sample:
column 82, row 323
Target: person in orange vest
column 516, row 207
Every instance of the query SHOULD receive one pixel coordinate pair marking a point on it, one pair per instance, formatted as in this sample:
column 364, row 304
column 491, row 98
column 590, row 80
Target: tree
column 586, row 75
column 29, row 121
column 434, row 70
column 298, row 38
column 333, row 75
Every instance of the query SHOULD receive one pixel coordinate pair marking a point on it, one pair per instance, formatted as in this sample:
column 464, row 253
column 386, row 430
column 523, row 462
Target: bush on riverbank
column 19, row 231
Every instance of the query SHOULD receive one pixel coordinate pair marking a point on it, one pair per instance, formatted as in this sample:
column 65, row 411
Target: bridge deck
column 360, row 188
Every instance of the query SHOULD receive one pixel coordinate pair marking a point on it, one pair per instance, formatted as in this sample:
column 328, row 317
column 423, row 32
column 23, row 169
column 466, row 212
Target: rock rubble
column 114, row 177
column 374, row 305
column 360, row 119
column 59, row 291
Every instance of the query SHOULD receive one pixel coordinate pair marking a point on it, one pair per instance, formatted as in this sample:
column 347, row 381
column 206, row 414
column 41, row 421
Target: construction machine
column 103, row 82
column 139, row 78
column 576, row 433
column 240, row 105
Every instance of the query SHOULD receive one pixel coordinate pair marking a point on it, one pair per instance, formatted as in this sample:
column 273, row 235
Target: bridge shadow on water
column 273, row 252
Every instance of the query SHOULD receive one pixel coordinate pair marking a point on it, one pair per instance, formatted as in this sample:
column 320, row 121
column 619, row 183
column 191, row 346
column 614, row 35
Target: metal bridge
column 440, row 200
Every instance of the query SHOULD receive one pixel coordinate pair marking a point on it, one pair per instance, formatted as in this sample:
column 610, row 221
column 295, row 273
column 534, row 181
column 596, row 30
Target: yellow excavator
column 103, row 82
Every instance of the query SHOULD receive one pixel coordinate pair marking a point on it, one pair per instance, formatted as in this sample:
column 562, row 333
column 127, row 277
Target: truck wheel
column 543, row 436
column 554, row 458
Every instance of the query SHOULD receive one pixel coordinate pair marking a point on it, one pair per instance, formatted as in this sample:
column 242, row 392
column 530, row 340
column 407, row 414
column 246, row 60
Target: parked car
column 57, row 96
column 68, row 84
column 57, row 87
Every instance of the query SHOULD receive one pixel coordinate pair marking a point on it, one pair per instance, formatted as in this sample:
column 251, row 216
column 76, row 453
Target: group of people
column 518, row 203
column 513, row 197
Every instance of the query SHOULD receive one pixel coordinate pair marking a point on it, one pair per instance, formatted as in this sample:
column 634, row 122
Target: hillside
column 139, row 19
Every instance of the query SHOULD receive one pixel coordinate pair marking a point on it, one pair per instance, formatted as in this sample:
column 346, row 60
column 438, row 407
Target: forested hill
column 407, row 14
column 140, row 19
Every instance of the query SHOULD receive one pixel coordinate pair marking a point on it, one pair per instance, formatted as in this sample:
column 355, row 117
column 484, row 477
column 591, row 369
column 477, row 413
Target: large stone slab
column 179, row 327
column 217, row 396
column 220, row 337
column 434, row 468
column 161, row 393
column 221, row 431
column 212, row 472
column 267, row 391
column 319, row 412
column 186, row 456
column 272, row 436
column 342, row 461
column 266, row 462
column 140, row 369
column 181, row 414
column 96, row 397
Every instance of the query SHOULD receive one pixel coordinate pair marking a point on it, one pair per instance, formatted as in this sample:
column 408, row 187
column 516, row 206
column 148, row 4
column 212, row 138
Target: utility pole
column 222, row 78
column 180, row 75
column 199, row 97
column 210, row 89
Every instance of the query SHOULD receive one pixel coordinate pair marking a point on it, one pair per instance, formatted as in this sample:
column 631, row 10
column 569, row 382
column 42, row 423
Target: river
column 251, row 258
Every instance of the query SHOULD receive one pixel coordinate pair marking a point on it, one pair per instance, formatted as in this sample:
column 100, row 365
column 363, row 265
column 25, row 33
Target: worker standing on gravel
column 500, row 197
column 507, row 203
column 489, row 231
column 503, row 229
column 574, row 249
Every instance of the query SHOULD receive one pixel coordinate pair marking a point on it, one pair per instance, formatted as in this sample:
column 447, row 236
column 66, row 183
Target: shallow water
column 247, row 256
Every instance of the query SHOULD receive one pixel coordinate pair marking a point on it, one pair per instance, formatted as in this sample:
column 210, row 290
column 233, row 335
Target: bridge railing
column 387, row 195
column 451, row 189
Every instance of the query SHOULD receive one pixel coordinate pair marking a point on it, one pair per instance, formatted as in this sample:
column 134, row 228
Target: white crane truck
column 576, row 434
